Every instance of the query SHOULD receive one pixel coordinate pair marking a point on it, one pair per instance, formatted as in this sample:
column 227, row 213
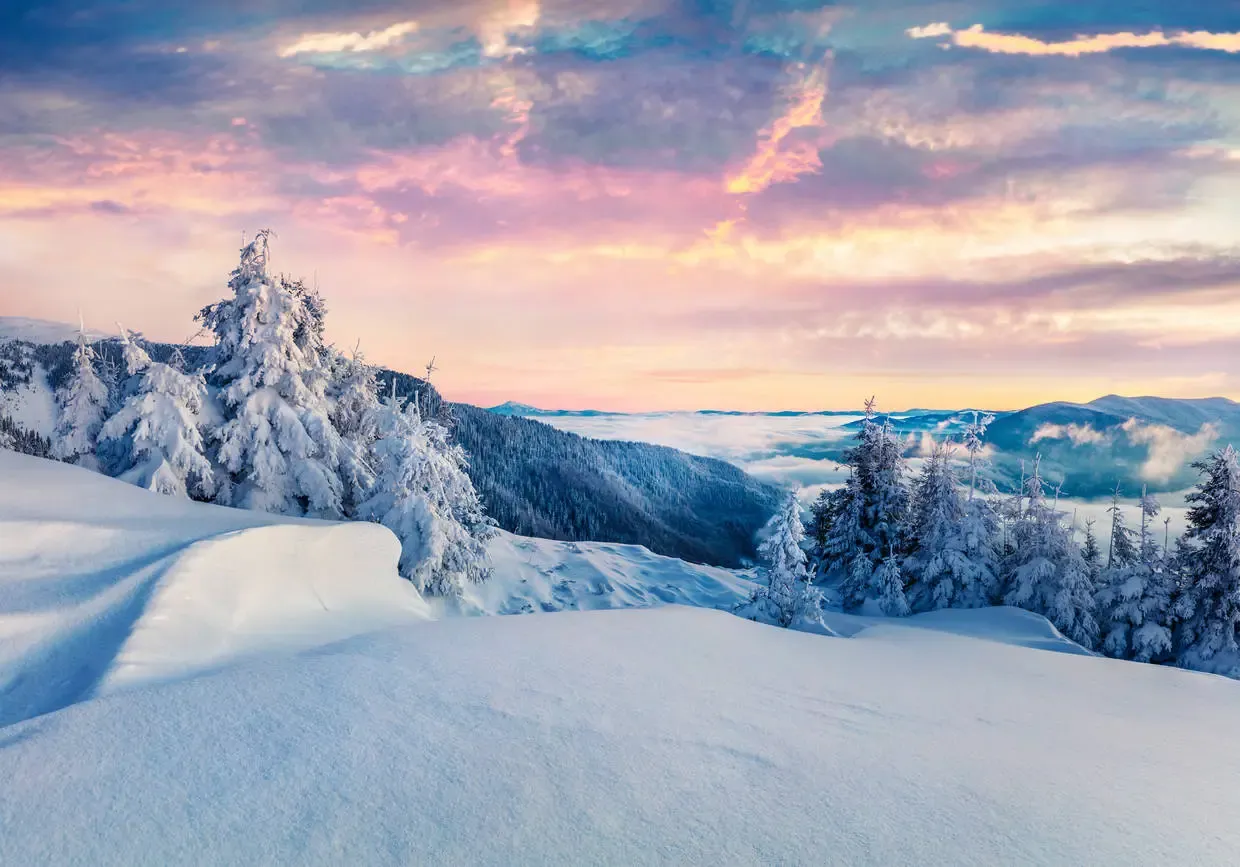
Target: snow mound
column 42, row 330
column 532, row 575
column 670, row 735
column 104, row 585
column 1002, row 625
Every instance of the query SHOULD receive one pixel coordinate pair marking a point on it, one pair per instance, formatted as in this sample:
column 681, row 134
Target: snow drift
column 105, row 585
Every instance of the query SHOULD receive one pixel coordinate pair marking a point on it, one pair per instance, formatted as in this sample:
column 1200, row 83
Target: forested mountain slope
column 534, row 479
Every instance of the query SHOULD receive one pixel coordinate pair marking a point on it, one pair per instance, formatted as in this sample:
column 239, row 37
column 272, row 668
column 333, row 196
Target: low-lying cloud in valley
column 1169, row 449
column 1079, row 434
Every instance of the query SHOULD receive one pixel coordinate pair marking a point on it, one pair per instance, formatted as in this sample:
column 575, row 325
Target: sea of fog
column 788, row 451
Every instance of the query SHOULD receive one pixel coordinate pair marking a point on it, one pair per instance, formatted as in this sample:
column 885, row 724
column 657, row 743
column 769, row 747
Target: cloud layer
column 652, row 203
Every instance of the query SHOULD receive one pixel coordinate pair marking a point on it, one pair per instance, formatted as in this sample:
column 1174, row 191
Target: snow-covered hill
column 41, row 330
column 182, row 683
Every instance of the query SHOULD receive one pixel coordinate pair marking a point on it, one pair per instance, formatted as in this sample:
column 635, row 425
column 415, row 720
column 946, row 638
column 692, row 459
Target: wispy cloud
column 1100, row 43
column 930, row 31
column 779, row 157
column 376, row 40
column 1077, row 434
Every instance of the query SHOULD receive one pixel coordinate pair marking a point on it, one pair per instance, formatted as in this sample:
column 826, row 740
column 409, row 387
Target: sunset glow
column 653, row 204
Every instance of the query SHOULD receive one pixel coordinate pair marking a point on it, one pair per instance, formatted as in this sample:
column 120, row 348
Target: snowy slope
column 543, row 575
column 672, row 735
column 104, row 585
column 186, row 684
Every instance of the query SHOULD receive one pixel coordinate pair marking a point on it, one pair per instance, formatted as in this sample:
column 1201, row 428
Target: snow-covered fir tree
column 423, row 495
column 83, row 404
column 787, row 595
column 888, row 588
column 277, row 447
column 155, row 436
column 1092, row 554
column 1047, row 573
column 821, row 517
column 951, row 561
column 1135, row 601
column 354, row 393
column 975, row 446
column 1123, row 549
column 869, row 512
column 1208, row 606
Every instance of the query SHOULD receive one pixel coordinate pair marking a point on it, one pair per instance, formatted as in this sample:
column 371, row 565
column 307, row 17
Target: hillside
column 533, row 478
column 215, row 696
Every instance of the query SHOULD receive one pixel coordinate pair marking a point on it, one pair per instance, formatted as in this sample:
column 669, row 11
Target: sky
column 652, row 204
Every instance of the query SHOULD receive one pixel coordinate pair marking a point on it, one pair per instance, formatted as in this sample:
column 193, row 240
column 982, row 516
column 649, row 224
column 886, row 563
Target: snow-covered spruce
column 423, row 495
column 869, row 513
column 1135, row 600
column 1092, row 554
column 1047, row 574
column 155, row 438
column 787, row 596
column 277, row 448
column 975, row 446
column 1122, row 550
column 83, row 403
column 952, row 561
column 354, row 394
column 888, row 588
column 1208, row 607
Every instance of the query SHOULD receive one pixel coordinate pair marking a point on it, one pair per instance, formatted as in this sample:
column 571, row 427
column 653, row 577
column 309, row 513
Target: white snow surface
column 532, row 575
column 186, row 684
column 105, row 585
column 669, row 735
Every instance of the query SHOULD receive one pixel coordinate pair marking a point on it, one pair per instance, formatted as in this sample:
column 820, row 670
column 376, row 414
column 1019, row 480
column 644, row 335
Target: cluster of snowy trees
column 943, row 540
column 279, row 422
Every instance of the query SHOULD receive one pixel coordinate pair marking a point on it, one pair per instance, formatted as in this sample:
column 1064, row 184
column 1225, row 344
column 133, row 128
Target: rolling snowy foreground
column 182, row 683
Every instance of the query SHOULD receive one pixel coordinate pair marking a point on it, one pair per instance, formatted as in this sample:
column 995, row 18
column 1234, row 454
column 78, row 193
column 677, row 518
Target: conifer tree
column 83, row 402
column 869, row 512
column 424, row 496
column 1092, row 554
column 952, row 558
column 1123, row 550
column 156, row 435
column 889, row 588
column 1048, row 575
column 277, row 447
column 974, row 444
column 1208, row 607
column 1135, row 601
column 821, row 517
column 786, row 595
column 354, row 393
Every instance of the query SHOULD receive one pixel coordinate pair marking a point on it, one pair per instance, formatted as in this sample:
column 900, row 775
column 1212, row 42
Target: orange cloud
column 774, row 162
column 1101, row 43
